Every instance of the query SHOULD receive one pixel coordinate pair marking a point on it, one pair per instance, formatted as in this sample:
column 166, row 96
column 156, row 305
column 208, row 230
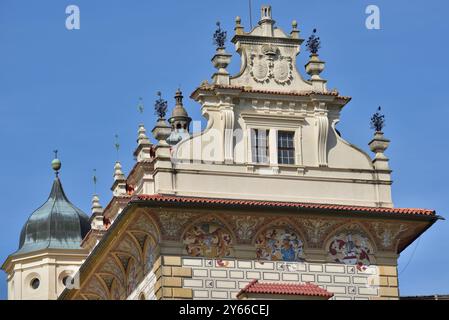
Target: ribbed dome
column 57, row 224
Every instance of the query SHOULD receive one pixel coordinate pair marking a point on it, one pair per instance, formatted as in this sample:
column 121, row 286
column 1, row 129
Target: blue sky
column 74, row 90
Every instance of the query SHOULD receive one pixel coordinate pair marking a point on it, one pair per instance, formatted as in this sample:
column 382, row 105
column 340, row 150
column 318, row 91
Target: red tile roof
column 307, row 289
column 289, row 93
column 299, row 205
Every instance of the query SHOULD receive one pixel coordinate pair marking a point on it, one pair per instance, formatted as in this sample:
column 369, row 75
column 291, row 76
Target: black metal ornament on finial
column 117, row 145
column 378, row 121
column 220, row 36
column 94, row 178
column 56, row 153
column 160, row 106
column 313, row 43
column 140, row 106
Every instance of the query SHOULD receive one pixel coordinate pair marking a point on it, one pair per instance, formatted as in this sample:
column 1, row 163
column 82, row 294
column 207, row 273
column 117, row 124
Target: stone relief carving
column 270, row 64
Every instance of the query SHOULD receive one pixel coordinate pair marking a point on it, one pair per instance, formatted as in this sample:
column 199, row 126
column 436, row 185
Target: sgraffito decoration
column 279, row 244
column 208, row 240
column 352, row 249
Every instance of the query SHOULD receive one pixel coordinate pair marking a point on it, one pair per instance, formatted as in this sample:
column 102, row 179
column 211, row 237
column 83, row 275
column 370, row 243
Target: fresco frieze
column 208, row 240
column 279, row 244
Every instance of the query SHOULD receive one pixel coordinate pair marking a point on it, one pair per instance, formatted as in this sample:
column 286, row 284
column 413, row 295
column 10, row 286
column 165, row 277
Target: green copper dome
column 57, row 224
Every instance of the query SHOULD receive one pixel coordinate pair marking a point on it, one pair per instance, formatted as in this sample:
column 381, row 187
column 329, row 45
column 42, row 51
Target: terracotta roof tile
column 307, row 289
column 299, row 205
column 277, row 92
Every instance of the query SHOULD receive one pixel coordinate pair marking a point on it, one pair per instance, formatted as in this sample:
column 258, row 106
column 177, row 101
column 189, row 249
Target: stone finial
column 142, row 138
column 118, row 173
column 238, row 29
column 221, row 59
column 315, row 66
column 143, row 150
column 119, row 186
column 378, row 145
column 96, row 206
column 161, row 131
column 295, row 32
column 97, row 214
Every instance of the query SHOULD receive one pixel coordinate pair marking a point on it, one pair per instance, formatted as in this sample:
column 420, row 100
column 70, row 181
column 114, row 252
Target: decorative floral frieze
column 316, row 229
column 388, row 233
column 172, row 223
column 246, row 226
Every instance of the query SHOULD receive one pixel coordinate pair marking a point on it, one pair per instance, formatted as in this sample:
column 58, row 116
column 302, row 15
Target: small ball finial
column 238, row 20
column 294, row 24
column 56, row 163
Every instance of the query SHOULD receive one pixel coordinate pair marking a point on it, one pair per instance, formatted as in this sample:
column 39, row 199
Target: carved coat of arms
column 269, row 65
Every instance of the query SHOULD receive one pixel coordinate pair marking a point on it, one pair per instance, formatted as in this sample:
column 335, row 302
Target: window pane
column 259, row 145
column 286, row 147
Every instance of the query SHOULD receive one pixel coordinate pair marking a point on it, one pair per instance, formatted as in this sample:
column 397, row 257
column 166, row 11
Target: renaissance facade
column 268, row 201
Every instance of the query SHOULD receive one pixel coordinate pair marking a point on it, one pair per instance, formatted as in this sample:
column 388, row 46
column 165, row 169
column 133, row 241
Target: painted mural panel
column 132, row 279
column 149, row 256
column 279, row 244
column 352, row 249
column 208, row 240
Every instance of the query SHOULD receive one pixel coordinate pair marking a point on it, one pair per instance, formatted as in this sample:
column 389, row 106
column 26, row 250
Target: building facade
column 268, row 191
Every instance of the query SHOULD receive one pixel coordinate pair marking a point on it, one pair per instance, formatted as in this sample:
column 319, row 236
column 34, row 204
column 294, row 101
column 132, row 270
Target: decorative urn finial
column 315, row 66
column 221, row 59
column 379, row 143
column 161, row 130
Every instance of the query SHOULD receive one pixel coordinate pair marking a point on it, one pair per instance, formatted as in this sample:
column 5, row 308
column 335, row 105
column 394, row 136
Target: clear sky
column 74, row 90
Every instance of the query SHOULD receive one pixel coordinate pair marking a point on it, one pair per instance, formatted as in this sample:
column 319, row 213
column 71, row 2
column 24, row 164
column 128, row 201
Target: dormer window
column 286, row 147
column 259, row 145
